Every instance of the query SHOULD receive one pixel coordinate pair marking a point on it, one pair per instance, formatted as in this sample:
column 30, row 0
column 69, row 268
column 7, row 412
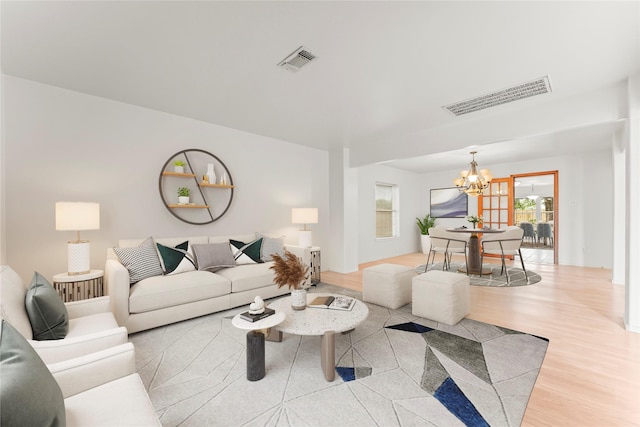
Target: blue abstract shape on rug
column 347, row 374
column 457, row 403
column 410, row 327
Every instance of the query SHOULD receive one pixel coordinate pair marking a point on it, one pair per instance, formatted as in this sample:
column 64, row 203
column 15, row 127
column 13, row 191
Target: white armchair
column 92, row 326
column 102, row 389
column 97, row 389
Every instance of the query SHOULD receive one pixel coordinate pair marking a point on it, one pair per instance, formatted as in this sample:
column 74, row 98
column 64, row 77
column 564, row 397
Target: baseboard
column 631, row 328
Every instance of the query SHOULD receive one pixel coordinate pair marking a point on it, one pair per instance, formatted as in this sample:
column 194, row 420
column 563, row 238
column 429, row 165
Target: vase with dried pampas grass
column 291, row 271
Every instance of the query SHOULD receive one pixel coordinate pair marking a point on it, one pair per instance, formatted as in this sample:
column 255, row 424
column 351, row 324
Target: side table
column 255, row 341
column 315, row 265
column 76, row 287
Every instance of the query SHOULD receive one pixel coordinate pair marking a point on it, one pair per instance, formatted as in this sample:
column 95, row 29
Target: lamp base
column 78, row 257
column 304, row 238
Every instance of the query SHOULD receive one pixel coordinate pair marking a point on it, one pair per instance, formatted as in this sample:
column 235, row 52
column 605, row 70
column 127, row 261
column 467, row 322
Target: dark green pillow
column 246, row 253
column 29, row 395
column 176, row 260
column 47, row 313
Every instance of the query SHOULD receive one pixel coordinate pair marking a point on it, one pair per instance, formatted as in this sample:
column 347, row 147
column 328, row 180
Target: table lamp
column 304, row 216
column 78, row 216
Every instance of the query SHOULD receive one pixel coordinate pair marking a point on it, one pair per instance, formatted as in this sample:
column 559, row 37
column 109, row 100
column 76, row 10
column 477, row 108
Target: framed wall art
column 449, row 203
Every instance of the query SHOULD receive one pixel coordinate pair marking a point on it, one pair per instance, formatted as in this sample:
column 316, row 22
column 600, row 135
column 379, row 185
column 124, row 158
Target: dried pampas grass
column 289, row 271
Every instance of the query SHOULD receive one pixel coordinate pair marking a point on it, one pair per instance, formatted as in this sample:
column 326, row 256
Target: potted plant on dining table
column 476, row 221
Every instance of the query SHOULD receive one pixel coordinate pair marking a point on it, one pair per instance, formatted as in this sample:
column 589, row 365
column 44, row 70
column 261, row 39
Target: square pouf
column 441, row 296
column 388, row 285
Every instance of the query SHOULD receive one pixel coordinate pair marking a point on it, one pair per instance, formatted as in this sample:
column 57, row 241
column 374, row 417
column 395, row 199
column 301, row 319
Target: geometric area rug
column 495, row 279
column 394, row 369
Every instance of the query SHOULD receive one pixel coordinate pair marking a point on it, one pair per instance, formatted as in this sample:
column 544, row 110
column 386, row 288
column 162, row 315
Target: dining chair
column 505, row 244
column 529, row 232
column 447, row 243
column 544, row 233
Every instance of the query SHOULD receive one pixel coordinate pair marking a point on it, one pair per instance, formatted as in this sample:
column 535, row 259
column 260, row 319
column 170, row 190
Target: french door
column 495, row 204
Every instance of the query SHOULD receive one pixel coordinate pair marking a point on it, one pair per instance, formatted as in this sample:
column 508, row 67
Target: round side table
column 255, row 341
column 75, row 287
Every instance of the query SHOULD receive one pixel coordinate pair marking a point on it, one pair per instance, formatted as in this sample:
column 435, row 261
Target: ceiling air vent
column 298, row 59
column 524, row 90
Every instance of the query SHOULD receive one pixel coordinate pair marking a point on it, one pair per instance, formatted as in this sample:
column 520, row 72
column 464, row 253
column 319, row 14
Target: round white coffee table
column 255, row 341
column 320, row 321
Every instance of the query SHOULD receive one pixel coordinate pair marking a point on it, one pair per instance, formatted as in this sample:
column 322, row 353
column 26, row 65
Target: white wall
column 412, row 205
column 62, row 145
column 585, row 210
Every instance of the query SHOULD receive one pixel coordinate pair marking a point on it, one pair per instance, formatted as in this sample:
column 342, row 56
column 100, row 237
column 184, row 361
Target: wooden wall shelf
column 183, row 175
column 213, row 199
column 206, row 184
column 178, row 205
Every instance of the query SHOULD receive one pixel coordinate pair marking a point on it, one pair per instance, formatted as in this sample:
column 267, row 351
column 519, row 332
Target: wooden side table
column 81, row 286
column 315, row 265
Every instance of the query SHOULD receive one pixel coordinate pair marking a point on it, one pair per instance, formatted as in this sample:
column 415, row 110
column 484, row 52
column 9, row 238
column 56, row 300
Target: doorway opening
column 535, row 209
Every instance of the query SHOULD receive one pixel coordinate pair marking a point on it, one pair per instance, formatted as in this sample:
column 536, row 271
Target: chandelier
column 471, row 182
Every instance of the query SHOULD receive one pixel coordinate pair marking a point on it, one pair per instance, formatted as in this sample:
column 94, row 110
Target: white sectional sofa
column 165, row 299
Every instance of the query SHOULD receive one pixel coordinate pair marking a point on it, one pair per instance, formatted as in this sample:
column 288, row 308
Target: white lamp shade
column 77, row 216
column 304, row 215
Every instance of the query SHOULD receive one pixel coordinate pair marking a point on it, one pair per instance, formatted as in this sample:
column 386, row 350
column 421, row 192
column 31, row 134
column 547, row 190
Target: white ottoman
column 441, row 296
column 388, row 285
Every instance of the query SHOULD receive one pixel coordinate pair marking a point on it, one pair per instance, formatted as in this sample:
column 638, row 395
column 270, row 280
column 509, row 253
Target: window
column 386, row 210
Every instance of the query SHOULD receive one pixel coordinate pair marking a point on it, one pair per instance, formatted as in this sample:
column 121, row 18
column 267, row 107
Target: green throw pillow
column 176, row 260
column 47, row 313
column 246, row 253
column 29, row 395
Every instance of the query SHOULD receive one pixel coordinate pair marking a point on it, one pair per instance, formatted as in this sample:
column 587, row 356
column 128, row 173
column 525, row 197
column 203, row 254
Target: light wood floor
column 591, row 372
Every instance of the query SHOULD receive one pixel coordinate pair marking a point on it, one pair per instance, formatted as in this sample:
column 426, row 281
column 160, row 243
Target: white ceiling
column 384, row 69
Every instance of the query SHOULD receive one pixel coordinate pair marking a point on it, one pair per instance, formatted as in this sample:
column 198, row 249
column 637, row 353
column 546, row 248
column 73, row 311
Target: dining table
column 473, row 258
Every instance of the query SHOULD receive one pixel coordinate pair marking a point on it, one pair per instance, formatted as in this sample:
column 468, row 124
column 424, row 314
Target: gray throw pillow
column 213, row 256
column 142, row 262
column 47, row 313
column 29, row 395
column 270, row 246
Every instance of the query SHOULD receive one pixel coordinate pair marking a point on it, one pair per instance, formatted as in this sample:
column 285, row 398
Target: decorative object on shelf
column 183, row 195
column 291, row 271
column 424, row 224
column 211, row 173
column 476, row 221
column 78, row 216
column 213, row 200
column 178, row 166
column 304, row 216
column 257, row 306
column 471, row 182
column 223, row 179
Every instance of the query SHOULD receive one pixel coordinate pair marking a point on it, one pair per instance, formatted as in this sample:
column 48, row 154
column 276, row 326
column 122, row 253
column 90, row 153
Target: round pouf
column 441, row 296
column 255, row 356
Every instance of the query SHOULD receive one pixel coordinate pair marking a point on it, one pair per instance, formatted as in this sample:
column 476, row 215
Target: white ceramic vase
column 183, row 200
column 178, row 169
column 211, row 174
column 298, row 299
